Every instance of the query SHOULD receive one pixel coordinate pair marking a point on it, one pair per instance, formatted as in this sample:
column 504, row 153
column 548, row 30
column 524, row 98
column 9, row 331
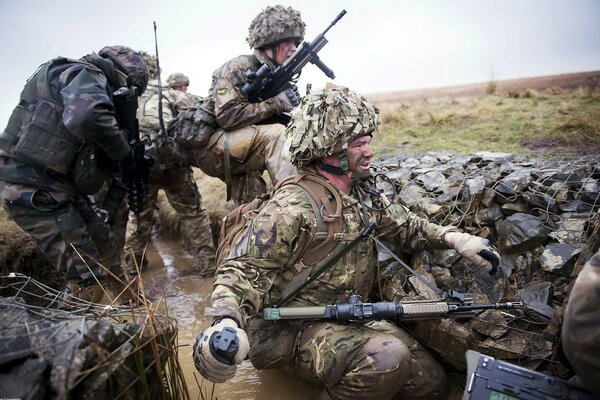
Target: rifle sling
column 430, row 285
column 227, row 161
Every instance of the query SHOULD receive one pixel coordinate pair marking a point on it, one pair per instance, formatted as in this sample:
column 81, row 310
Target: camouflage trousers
column 182, row 193
column 252, row 150
column 581, row 326
column 377, row 360
column 66, row 230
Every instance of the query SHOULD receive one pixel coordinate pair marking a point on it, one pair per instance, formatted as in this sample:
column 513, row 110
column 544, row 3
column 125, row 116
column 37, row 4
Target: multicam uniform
column 64, row 104
column 357, row 360
column 580, row 337
column 169, row 174
column 251, row 147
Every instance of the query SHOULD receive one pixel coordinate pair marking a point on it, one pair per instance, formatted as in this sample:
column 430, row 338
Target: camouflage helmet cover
column 273, row 24
column 150, row 61
column 178, row 79
column 130, row 62
column 327, row 121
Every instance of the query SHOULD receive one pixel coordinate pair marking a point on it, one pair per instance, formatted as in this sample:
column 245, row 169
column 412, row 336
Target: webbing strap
column 227, row 162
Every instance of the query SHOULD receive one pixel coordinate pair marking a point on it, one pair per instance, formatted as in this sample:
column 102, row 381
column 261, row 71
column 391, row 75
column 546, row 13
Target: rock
column 520, row 232
column 490, row 323
column 536, row 298
column 557, row 258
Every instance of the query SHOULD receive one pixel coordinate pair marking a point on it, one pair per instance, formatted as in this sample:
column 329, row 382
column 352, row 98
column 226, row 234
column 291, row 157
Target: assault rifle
column 356, row 310
column 125, row 101
column 490, row 379
column 266, row 83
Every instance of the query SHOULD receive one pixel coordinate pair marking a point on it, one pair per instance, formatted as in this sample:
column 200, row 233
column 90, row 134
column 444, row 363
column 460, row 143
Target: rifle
column 266, row 83
column 489, row 378
column 356, row 310
column 125, row 101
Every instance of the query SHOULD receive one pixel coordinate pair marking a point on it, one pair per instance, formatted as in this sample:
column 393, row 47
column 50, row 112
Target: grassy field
column 553, row 121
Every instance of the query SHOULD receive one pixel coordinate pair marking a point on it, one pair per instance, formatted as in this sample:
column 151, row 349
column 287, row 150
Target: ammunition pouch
column 271, row 344
column 192, row 128
column 87, row 173
column 45, row 142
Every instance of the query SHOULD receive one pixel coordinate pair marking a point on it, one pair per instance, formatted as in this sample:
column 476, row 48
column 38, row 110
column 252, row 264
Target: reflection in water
column 170, row 276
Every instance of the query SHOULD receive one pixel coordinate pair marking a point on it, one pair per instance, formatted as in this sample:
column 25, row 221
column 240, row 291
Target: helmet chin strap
column 343, row 169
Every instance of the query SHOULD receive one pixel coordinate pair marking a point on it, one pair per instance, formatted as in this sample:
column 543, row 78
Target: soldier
column 581, row 342
column 62, row 143
column 330, row 133
column 178, row 81
column 169, row 174
column 230, row 138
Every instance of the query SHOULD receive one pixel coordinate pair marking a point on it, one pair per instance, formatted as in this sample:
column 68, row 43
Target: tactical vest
column 35, row 133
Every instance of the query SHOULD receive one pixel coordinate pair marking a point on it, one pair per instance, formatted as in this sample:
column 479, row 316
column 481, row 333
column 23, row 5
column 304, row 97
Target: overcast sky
column 378, row 46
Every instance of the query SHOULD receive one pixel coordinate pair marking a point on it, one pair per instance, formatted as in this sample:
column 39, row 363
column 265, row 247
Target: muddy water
column 170, row 276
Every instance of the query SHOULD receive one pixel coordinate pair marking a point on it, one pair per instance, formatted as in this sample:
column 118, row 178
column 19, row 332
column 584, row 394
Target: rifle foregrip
column 423, row 310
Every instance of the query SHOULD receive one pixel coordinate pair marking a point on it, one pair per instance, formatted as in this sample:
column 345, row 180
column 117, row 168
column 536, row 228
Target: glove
column 288, row 99
column 475, row 249
column 127, row 167
column 219, row 349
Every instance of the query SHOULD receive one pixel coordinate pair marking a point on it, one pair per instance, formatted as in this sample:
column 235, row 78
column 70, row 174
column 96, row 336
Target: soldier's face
column 359, row 154
column 284, row 50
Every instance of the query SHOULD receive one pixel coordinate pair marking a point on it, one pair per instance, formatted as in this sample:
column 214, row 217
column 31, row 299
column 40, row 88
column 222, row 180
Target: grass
column 557, row 121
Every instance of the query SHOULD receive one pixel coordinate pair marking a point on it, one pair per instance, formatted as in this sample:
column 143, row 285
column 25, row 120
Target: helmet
column 150, row 61
column 178, row 79
column 273, row 24
column 130, row 62
column 326, row 121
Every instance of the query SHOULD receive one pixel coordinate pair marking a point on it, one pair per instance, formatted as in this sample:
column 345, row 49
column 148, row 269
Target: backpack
column 327, row 206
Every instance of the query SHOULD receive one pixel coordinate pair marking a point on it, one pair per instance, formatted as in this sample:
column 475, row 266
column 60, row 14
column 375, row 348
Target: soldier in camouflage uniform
column 229, row 129
column 62, row 143
column 581, row 327
column 330, row 134
column 170, row 175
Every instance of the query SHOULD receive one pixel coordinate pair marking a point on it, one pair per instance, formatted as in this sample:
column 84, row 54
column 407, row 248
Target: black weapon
column 266, row 83
column 356, row 310
column 125, row 101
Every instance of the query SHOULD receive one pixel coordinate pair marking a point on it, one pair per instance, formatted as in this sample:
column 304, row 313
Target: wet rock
column 490, row 323
column 489, row 216
column 536, row 298
column 557, row 258
column 411, row 195
column 432, row 180
column 514, row 183
column 570, row 229
column 516, row 206
column 520, row 232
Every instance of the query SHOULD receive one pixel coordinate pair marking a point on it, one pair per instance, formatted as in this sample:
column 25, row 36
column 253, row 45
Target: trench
column 182, row 295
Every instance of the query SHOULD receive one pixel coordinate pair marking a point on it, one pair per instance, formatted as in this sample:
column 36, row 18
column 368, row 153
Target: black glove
column 288, row 99
column 126, row 168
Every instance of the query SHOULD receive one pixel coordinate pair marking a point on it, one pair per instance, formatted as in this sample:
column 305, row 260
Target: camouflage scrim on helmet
column 326, row 121
column 178, row 79
column 130, row 62
column 273, row 24
column 151, row 64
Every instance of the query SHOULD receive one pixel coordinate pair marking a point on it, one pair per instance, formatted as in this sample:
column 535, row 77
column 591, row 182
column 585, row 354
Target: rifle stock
column 355, row 310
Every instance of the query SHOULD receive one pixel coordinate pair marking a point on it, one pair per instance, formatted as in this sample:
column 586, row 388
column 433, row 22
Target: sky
column 378, row 46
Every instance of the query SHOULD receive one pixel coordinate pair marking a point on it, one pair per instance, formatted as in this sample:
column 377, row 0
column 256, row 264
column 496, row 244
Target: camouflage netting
column 73, row 349
column 543, row 217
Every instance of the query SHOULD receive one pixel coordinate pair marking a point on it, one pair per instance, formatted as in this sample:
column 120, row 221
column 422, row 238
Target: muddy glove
column 288, row 99
column 219, row 349
column 475, row 249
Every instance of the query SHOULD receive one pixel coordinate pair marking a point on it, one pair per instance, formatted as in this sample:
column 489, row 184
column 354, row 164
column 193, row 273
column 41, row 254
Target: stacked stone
column 538, row 213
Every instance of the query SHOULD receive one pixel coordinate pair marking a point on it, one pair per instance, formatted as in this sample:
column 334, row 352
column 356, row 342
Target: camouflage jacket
column 173, row 101
column 228, row 103
column 77, row 100
column 268, row 255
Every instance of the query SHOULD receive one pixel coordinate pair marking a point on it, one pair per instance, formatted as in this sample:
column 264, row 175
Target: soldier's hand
column 475, row 249
column 219, row 349
column 288, row 99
